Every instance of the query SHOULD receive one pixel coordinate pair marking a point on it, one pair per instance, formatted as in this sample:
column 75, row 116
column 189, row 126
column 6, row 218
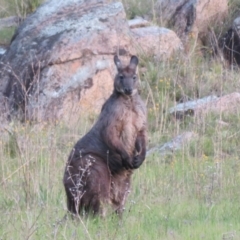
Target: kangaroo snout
column 128, row 91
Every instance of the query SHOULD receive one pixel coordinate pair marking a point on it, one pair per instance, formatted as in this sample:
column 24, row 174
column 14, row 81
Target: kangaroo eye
column 121, row 77
column 134, row 77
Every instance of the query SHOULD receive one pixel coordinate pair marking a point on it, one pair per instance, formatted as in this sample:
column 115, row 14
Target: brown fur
column 99, row 168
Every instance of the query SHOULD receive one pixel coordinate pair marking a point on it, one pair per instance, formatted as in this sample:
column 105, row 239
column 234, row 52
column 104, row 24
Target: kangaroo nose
column 128, row 91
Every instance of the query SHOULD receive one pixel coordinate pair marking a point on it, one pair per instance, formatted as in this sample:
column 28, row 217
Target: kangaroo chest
column 132, row 121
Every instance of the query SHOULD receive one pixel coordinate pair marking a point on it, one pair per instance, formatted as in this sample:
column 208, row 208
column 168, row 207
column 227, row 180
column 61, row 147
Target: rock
column 189, row 107
column 138, row 22
column 190, row 15
column 227, row 104
column 2, row 51
column 60, row 61
column 156, row 41
column 230, row 43
column 165, row 10
column 175, row 144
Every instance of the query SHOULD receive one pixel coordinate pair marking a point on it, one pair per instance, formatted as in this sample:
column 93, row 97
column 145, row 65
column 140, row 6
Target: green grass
column 20, row 8
column 192, row 194
column 6, row 35
column 138, row 8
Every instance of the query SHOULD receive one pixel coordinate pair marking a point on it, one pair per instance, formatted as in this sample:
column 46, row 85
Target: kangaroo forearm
column 140, row 150
column 140, row 143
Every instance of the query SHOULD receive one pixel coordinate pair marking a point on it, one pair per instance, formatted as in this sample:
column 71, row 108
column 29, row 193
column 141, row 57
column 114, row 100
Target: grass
column 6, row 35
column 20, row 8
column 137, row 8
column 192, row 193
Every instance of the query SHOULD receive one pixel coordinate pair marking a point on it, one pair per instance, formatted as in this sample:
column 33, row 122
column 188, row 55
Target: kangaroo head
column 126, row 80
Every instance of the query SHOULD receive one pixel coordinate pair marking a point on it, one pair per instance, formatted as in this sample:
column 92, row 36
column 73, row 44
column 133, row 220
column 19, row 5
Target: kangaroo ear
column 117, row 62
column 133, row 62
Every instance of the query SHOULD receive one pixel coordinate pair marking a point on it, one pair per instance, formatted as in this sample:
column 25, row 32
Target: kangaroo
column 99, row 167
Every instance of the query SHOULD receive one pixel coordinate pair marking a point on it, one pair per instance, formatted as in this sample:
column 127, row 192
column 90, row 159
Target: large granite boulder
column 58, row 54
column 173, row 145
